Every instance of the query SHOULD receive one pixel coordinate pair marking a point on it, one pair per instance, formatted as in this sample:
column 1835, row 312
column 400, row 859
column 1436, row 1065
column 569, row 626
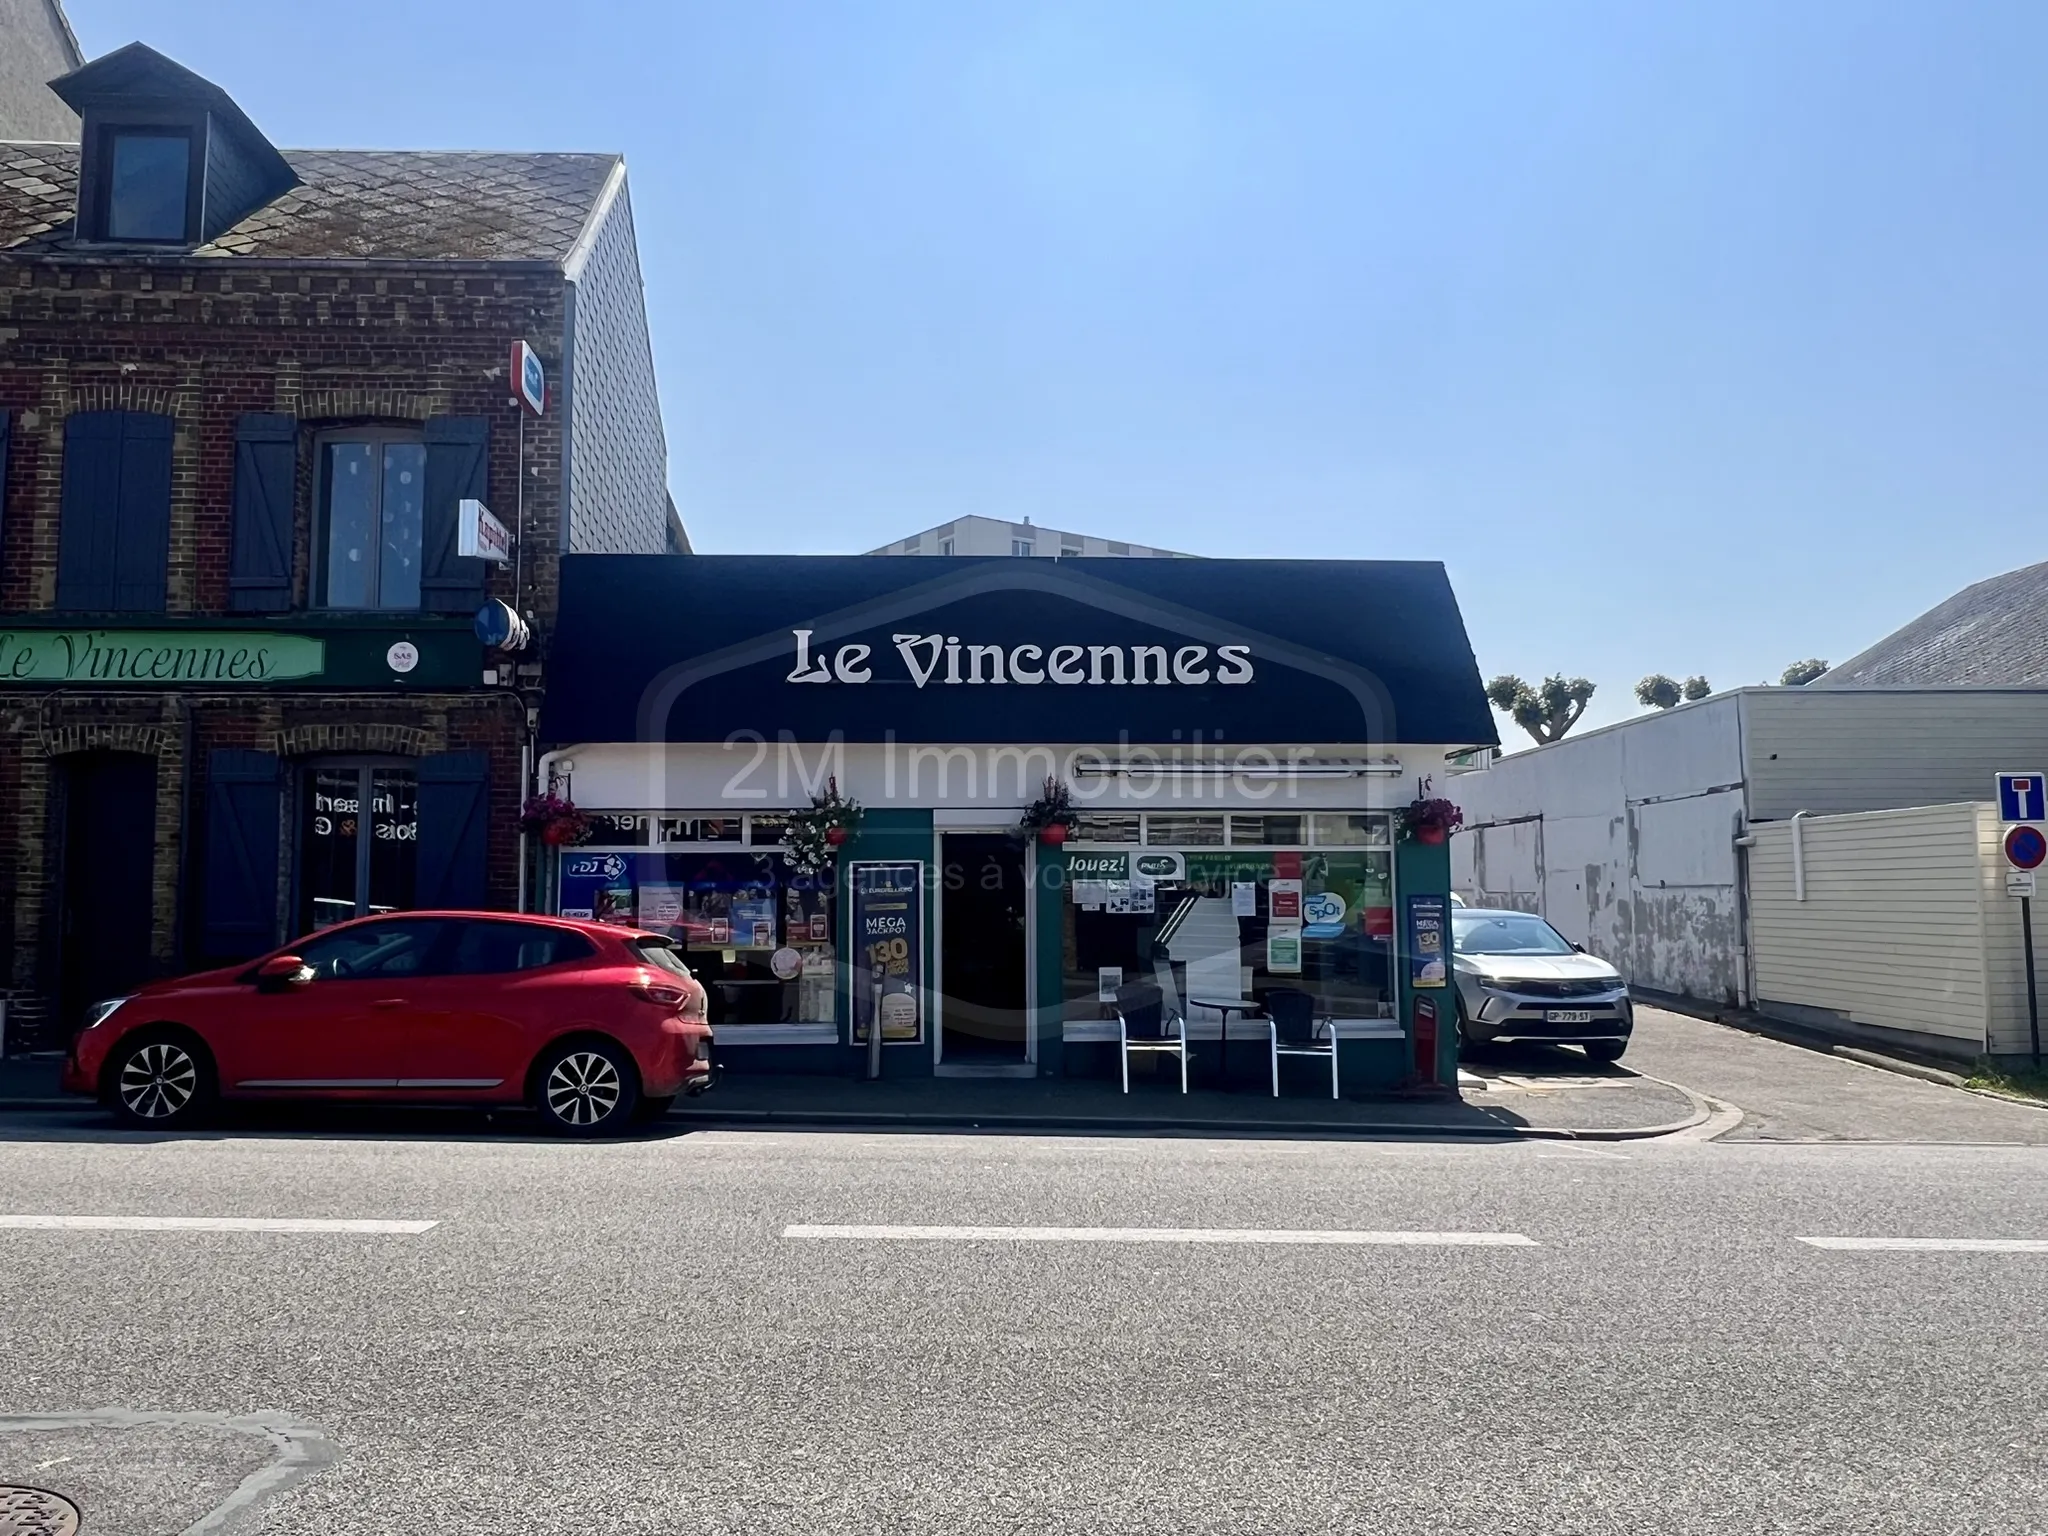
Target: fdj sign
column 146, row 657
column 1152, row 864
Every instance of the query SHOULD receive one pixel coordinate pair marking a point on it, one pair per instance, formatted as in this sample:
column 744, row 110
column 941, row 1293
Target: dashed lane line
column 1930, row 1244
column 1238, row 1235
column 214, row 1224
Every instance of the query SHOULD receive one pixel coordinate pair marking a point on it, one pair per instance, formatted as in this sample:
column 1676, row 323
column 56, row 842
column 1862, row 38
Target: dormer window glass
column 148, row 185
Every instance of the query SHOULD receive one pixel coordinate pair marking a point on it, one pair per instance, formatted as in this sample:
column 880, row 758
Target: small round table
column 1226, row 1007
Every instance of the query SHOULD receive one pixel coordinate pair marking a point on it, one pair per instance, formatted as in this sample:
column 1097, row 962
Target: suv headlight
column 98, row 1013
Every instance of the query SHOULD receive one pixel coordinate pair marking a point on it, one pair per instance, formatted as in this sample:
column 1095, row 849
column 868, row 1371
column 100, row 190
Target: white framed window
column 1022, row 547
column 370, row 538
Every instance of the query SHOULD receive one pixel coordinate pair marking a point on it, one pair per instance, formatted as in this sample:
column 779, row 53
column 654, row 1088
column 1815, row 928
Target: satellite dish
column 500, row 627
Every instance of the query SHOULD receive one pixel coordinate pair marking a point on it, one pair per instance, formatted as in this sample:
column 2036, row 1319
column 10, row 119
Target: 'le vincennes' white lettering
column 943, row 659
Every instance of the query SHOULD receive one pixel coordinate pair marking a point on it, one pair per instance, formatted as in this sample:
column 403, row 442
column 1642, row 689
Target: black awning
column 917, row 649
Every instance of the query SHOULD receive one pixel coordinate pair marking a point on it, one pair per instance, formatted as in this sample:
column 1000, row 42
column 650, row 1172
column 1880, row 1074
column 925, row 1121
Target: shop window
column 1266, row 831
column 754, row 931
column 1184, row 831
column 358, row 841
column 1235, row 924
column 620, row 829
column 372, row 489
column 767, row 831
column 699, row 829
column 1369, row 829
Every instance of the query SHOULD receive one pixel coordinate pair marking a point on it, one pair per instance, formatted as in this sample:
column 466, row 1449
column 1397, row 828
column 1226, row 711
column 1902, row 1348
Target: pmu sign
column 2022, row 797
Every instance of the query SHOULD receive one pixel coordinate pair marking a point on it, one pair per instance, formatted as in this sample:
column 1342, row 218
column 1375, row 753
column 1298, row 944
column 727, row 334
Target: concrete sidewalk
column 1614, row 1105
column 1561, row 1097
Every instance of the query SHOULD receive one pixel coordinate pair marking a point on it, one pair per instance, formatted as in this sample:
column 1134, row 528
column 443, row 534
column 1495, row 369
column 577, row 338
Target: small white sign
column 478, row 535
column 1244, row 898
column 403, row 656
column 2019, row 882
column 1107, row 979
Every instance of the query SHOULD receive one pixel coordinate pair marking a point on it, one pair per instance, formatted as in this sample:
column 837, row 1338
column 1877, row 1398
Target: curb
column 1899, row 1065
column 1747, row 1022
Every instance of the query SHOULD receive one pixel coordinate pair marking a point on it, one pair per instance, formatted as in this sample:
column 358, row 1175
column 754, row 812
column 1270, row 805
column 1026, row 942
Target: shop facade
column 1238, row 738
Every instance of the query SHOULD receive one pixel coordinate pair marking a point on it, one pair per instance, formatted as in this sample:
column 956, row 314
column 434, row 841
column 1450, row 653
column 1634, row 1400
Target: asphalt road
column 621, row 1338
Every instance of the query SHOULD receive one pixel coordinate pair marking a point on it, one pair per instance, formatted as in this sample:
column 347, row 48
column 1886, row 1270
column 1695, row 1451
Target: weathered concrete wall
column 1624, row 840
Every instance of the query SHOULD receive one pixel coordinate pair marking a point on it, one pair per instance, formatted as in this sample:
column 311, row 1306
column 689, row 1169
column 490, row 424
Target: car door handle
column 389, row 1002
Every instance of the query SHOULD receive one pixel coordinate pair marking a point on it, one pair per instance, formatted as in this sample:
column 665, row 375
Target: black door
column 109, row 858
column 981, row 960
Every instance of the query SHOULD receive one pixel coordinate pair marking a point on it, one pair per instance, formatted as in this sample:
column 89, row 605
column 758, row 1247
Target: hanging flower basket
column 1049, row 818
column 815, row 836
column 555, row 820
column 1430, row 821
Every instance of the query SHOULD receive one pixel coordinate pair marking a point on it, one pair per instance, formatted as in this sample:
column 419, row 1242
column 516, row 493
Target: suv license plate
column 1567, row 1015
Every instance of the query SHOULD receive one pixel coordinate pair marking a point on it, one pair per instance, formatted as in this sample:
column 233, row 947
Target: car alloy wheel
column 158, row 1081
column 583, row 1089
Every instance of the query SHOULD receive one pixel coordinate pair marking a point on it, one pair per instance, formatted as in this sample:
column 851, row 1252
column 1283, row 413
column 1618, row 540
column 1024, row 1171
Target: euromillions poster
column 888, row 950
column 1428, row 935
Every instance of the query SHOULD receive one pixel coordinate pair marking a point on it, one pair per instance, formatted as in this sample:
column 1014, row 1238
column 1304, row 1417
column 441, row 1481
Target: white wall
column 1624, row 839
column 1892, row 931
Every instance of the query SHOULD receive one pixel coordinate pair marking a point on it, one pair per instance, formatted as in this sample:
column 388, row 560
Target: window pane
column 1099, row 828
column 1368, row 829
column 327, row 848
column 1184, row 831
column 758, row 935
column 405, row 478
column 619, row 829
column 351, row 525
column 484, row 949
column 399, row 948
column 769, row 831
column 394, row 838
column 698, row 829
column 147, row 186
column 1265, row 831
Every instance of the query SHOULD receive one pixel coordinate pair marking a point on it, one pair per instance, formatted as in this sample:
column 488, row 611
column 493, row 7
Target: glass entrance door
column 358, row 836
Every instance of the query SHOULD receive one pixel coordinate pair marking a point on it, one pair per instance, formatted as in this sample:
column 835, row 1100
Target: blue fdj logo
column 609, row 866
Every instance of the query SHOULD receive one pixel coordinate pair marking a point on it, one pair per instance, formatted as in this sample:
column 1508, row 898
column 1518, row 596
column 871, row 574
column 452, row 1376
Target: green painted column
column 1424, row 869
column 890, row 835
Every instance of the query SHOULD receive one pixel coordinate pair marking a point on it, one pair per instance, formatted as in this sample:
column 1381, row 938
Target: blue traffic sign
column 2022, row 797
column 2026, row 847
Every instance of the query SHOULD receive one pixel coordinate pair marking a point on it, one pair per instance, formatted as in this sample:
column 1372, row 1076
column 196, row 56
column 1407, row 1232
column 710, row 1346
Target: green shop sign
column 151, row 656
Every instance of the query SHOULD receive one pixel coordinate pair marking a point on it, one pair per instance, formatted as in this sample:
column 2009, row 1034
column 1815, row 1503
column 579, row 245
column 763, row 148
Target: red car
column 590, row 1024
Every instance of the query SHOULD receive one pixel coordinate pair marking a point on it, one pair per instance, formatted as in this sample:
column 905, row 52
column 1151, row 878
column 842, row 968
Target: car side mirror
column 283, row 971
column 1578, row 948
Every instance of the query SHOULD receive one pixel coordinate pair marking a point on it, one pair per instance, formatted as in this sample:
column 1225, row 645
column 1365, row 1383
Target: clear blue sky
column 1693, row 338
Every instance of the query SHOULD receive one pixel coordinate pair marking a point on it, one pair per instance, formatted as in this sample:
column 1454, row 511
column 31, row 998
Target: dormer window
column 148, row 187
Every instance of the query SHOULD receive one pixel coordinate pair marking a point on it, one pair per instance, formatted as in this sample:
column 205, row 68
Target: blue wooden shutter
column 114, row 538
column 90, row 511
column 6, row 429
column 454, row 830
column 458, row 465
column 244, row 799
column 266, row 493
column 142, row 550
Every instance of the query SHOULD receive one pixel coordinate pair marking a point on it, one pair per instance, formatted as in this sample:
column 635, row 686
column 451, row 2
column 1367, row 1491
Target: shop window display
column 1228, row 923
column 753, row 930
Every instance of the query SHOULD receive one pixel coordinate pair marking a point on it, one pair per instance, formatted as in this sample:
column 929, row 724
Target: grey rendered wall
column 36, row 46
column 1624, row 838
column 618, row 456
column 1836, row 750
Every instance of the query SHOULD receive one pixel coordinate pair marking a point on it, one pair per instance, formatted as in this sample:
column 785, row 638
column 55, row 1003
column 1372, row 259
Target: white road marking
column 1164, row 1235
column 211, row 1224
column 1931, row 1244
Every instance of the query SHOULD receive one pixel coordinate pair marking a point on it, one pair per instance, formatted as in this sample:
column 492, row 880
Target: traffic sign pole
column 2033, row 1004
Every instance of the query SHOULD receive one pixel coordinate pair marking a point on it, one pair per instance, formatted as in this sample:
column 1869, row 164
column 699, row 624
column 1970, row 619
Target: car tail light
column 661, row 992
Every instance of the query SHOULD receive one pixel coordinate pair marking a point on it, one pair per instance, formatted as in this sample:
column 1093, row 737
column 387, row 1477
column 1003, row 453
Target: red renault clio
column 591, row 1025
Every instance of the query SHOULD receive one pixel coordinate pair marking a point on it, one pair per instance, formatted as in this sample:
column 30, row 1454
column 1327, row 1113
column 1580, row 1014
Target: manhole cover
column 35, row 1512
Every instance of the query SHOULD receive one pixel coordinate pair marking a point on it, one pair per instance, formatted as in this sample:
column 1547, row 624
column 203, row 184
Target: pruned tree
column 1697, row 688
column 1800, row 673
column 1546, row 712
column 1659, row 690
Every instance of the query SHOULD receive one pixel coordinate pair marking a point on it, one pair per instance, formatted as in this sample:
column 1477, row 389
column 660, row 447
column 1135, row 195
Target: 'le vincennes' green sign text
column 143, row 656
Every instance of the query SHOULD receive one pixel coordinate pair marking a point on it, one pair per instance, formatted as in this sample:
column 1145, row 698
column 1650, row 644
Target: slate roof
column 354, row 204
column 1993, row 634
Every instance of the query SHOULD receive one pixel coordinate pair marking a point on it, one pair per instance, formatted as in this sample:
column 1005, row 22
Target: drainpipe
column 543, row 774
column 181, row 925
column 1745, row 980
column 1798, row 858
column 525, row 773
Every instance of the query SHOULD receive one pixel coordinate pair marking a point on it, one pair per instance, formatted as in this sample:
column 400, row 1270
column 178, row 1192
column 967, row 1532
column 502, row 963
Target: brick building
column 243, row 396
